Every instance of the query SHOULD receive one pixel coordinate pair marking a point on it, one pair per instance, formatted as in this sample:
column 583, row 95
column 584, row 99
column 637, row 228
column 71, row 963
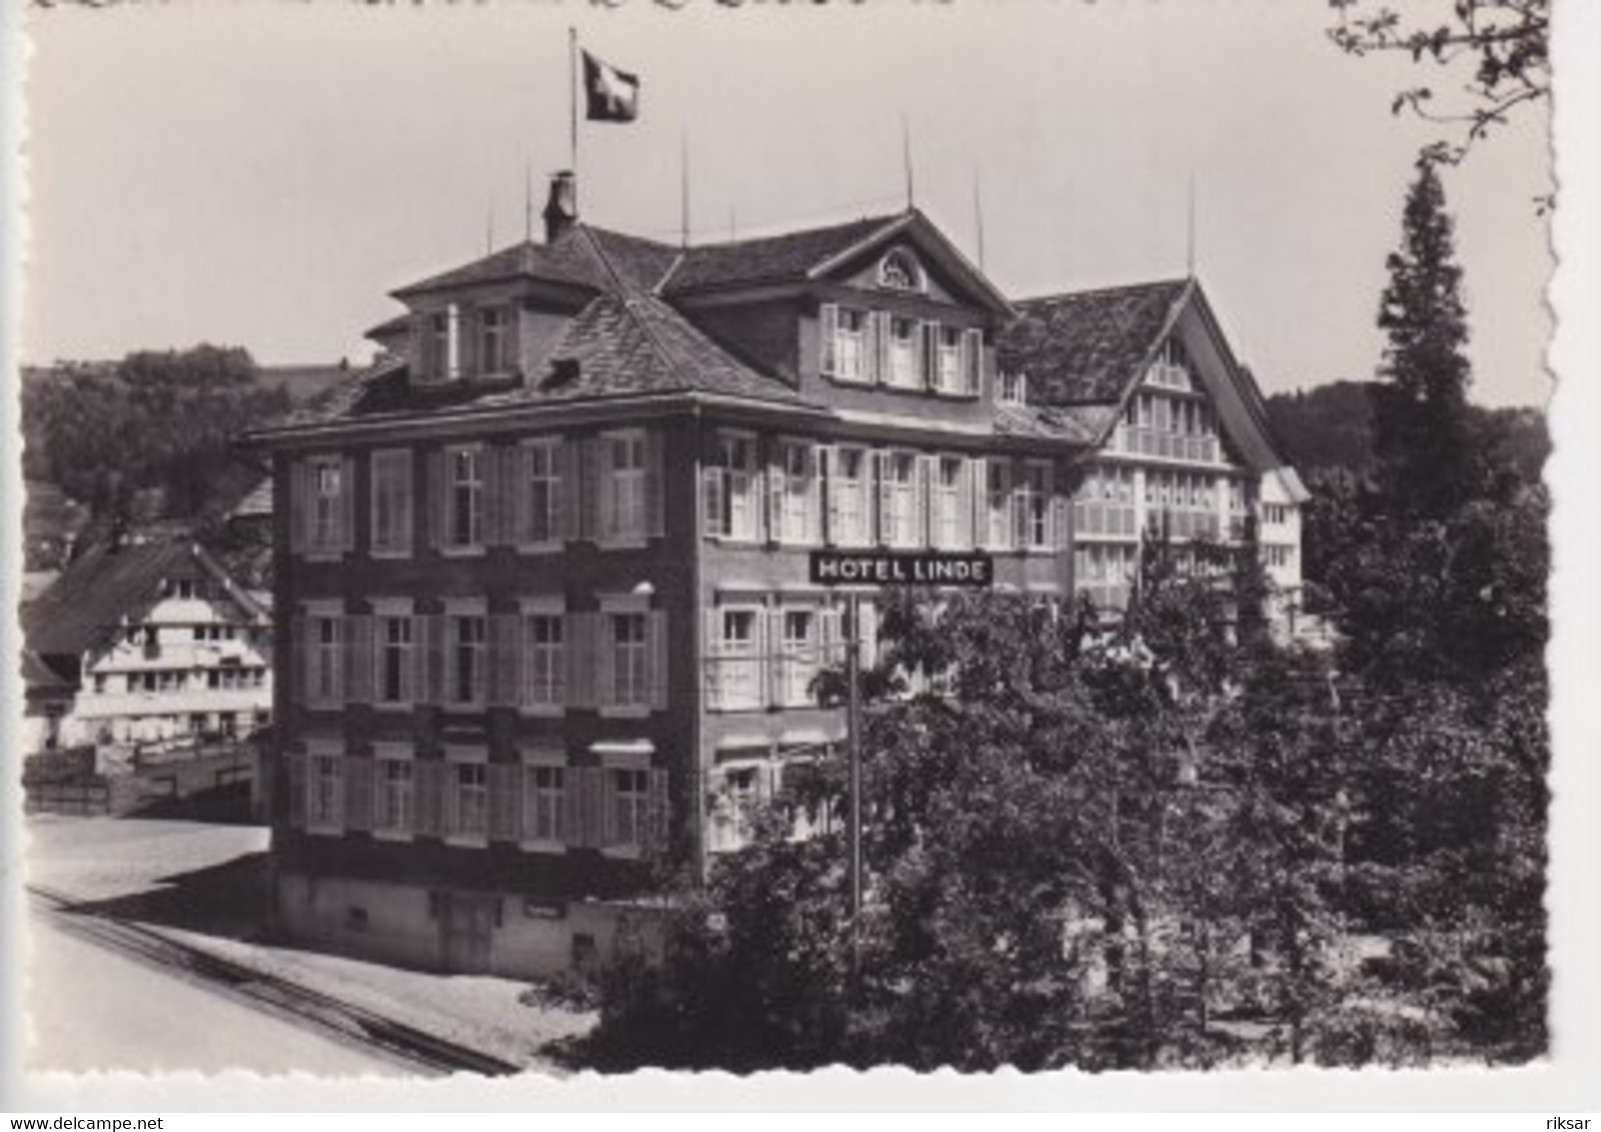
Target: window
column 464, row 498
column 903, row 368
column 467, row 800
column 629, row 676
column 950, row 505
column 997, row 504
column 323, row 657
column 795, row 493
column 325, row 793
column 1034, row 506
column 438, row 362
column 848, row 498
column 393, row 805
column 466, row 666
column 900, row 272
column 948, row 359
column 623, row 508
column 736, row 670
column 327, row 509
column 394, row 665
column 800, row 659
column 391, row 502
column 900, row 512
column 493, row 355
column 630, row 812
column 542, row 498
column 544, row 804
column 732, row 502
column 543, row 680
column 741, row 787
column 1012, row 389
column 850, row 345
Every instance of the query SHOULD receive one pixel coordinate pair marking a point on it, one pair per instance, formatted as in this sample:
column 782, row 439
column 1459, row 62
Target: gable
column 1242, row 418
column 942, row 273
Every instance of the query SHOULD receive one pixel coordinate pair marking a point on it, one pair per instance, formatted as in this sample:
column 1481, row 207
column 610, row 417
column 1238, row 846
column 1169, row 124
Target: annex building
column 542, row 571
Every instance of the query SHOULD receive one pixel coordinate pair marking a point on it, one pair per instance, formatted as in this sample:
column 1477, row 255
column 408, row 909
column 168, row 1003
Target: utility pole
column 853, row 718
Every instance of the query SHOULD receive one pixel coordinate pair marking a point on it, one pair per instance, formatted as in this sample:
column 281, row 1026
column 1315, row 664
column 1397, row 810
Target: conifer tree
column 1420, row 409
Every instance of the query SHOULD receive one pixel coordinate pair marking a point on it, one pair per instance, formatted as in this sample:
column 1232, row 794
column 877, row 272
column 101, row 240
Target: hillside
column 1331, row 426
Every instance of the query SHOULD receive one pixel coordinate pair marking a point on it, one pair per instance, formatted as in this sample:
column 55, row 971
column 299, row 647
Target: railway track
column 343, row 1020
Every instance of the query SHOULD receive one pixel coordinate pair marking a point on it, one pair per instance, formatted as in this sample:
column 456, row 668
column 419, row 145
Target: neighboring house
column 542, row 588
column 149, row 642
column 1181, row 449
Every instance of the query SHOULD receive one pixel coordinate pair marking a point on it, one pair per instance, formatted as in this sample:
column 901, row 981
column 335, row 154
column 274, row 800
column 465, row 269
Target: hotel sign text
column 900, row 568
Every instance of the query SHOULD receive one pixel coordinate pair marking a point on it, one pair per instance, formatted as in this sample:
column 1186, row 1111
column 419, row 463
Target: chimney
column 561, row 210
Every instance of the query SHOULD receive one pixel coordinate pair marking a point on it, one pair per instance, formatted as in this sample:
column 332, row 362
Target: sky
column 263, row 175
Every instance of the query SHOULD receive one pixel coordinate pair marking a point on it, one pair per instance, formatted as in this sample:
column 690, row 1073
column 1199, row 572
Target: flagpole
column 683, row 189
column 572, row 104
column 906, row 156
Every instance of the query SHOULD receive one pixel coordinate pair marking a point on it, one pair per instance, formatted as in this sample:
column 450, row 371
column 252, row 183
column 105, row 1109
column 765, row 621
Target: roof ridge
column 627, row 295
column 1087, row 292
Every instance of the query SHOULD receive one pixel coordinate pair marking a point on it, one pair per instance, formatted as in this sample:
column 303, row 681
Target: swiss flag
column 610, row 95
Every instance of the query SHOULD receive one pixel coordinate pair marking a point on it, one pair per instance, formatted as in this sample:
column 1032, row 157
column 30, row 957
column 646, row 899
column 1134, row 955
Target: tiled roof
column 569, row 260
column 1088, row 346
column 97, row 589
column 38, row 677
column 770, row 259
column 1076, row 424
column 637, row 263
column 257, row 503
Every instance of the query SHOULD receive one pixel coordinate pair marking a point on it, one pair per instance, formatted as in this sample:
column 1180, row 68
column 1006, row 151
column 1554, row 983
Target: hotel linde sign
column 900, row 568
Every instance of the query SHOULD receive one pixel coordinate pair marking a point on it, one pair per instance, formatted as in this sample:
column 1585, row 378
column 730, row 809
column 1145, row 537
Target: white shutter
column 606, row 667
column 347, row 504
column 814, row 492
column 964, row 502
column 879, row 532
column 712, row 673
column 973, row 361
column 656, row 658
column 777, row 662
column 829, row 488
column 712, row 499
column 777, row 483
column 828, row 336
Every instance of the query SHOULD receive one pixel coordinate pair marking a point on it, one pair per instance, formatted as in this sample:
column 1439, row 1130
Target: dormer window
column 437, row 364
column 899, row 271
column 1012, row 389
column 494, row 353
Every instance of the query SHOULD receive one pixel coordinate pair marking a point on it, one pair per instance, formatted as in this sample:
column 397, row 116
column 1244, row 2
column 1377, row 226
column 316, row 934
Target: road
column 106, row 1010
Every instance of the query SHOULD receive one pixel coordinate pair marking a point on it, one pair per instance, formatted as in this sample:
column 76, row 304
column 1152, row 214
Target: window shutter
column 658, row 838
column 590, row 488
column 572, row 810
column 656, row 644
column 295, row 788
column 927, row 468
column 603, row 802
column 504, row 781
column 655, row 483
column 298, row 659
column 438, row 496
column 712, row 664
column 829, row 488
column 973, row 361
column 428, row 796
column 880, row 321
column 964, row 503
column 776, row 486
column 297, row 506
column 828, row 335
column 417, row 678
column 885, row 504
column 432, row 690
column 712, row 499
column 358, row 659
column 605, row 666
column 569, row 459
column 814, row 495
column 503, row 638
column 358, row 793
column 764, row 657
column 923, row 355
column 870, row 346
column 579, row 647
column 405, row 512
column 347, row 504
column 490, row 505
column 517, row 528
column 777, row 662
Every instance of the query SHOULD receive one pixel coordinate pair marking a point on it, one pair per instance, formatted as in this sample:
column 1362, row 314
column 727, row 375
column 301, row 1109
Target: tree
column 1420, row 408
column 1504, row 41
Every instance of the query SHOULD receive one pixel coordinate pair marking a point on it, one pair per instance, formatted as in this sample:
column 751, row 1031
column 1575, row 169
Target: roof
column 257, row 503
column 772, row 259
column 105, row 584
column 569, row 260
column 1088, row 346
column 96, row 590
column 1076, row 424
column 39, row 678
